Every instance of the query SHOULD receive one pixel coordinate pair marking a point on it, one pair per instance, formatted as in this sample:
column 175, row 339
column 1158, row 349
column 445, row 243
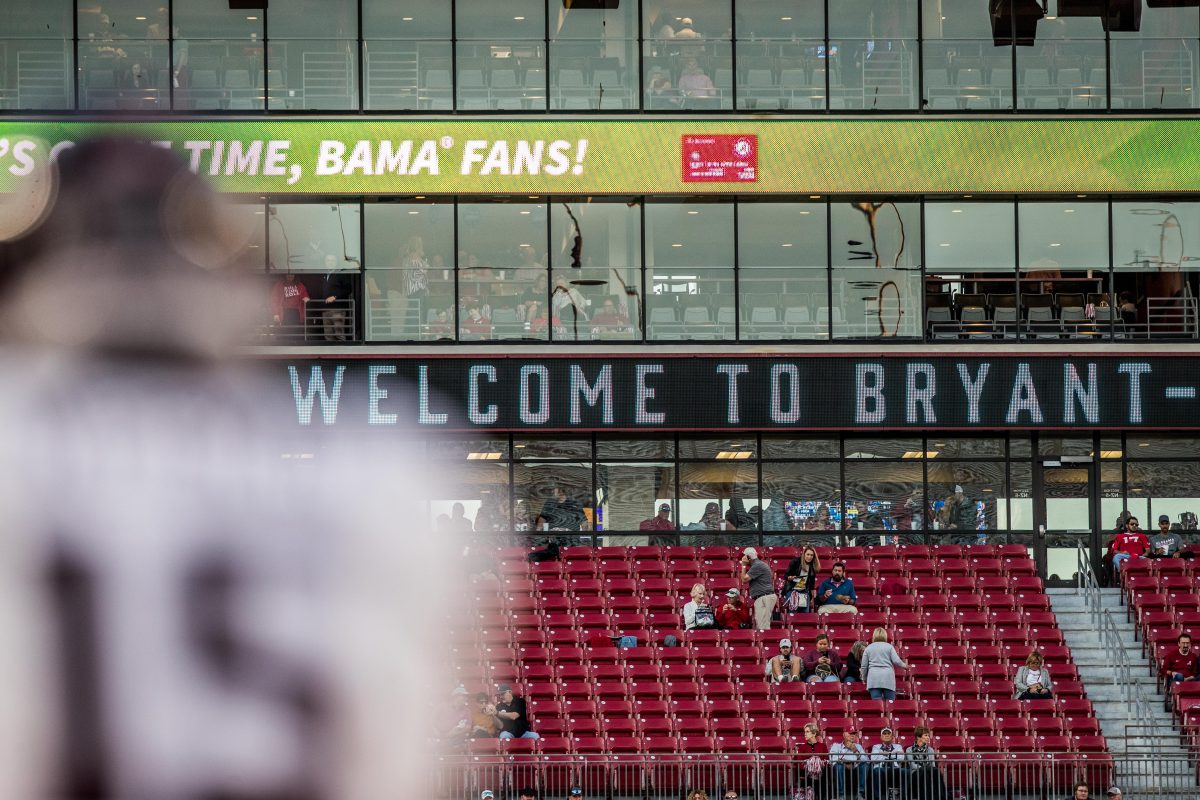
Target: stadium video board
column 379, row 156
column 575, row 392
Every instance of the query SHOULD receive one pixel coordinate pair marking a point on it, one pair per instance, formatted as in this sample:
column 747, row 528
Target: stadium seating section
column 963, row 617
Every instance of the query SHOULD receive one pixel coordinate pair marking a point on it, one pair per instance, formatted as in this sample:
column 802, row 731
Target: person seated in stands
column 1130, row 543
column 561, row 513
column 660, row 521
column 924, row 779
column 1166, row 543
column 822, row 664
column 887, row 764
column 609, row 316
column 1181, row 664
column 457, row 726
column 849, row 758
column 661, row 92
column 698, row 612
column 484, row 724
column 734, row 614
column 475, row 322
column 458, row 519
column 1033, row 679
column 712, row 519
column 784, row 666
column 812, row 756
column 686, row 31
column 854, row 662
column 510, row 713
column 693, row 82
column 836, row 594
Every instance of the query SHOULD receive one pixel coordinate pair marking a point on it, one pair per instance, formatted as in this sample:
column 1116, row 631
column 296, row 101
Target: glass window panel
column 801, row 497
column 407, row 55
column 975, row 507
column 1175, row 445
column 950, row 447
column 415, row 19
column 315, row 237
column 214, row 19
column 1064, row 67
column 780, row 47
column 736, row 449
column 716, row 496
column 312, row 63
column 501, row 42
column 964, row 68
column 1155, row 67
column 783, row 255
column 873, row 54
column 1020, row 503
column 217, row 57
column 553, row 496
column 593, row 56
column 689, row 273
column 408, row 271
column 964, row 237
column 1019, row 446
column 775, row 446
column 876, row 253
column 687, row 57
column 481, row 449
column 1112, row 497
column 1169, row 488
column 244, row 225
column 471, row 497
column 600, row 300
column 1050, row 445
column 124, row 58
column 502, row 263
column 37, row 38
column 630, row 494
column 635, row 448
column 1063, row 236
column 551, row 447
column 883, row 496
column 880, row 448
column 1155, row 250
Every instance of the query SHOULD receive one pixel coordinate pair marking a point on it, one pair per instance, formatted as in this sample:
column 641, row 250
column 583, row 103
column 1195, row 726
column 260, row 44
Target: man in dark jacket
column 336, row 291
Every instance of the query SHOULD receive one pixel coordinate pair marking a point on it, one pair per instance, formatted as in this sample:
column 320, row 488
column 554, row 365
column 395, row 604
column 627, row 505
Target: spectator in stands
column 849, row 758
column 1181, row 664
column 821, row 521
column 510, row 713
column 575, row 793
column 608, row 316
column 1166, row 543
column 836, row 594
column 924, row 780
column 734, row 614
column 697, row 794
column 887, row 764
column 800, row 583
column 458, row 723
column 698, row 612
column 484, row 724
column 812, row 755
column 337, row 291
column 879, row 664
column 712, row 519
column 487, row 794
column 660, row 521
column 1131, row 543
column 854, row 662
column 686, row 31
column 785, row 665
column 1115, row 791
column 693, row 82
column 289, row 297
column 822, row 664
column 731, row 794
column 458, row 519
column 492, row 515
column 528, row 793
column 1081, row 792
column 561, row 513
column 757, row 574
column 1033, row 679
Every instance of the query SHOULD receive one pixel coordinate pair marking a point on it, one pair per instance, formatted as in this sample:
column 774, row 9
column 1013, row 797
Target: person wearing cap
column 1115, row 791
column 849, row 757
column 511, row 714
column 887, row 764
column 784, row 666
column 733, row 614
column 659, row 522
column 487, row 794
column 822, row 664
column 1166, row 543
column 483, row 722
column 836, row 594
column 761, row 583
column 1180, row 664
column 576, row 792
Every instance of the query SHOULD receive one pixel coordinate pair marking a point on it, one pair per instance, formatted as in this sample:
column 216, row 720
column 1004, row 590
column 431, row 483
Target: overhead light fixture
column 956, row 211
column 805, row 213
column 1111, row 453
column 677, row 244
column 483, row 456
column 1068, row 211
column 693, row 213
column 943, row 244
column 140, row 19
column 785, row 19
column 414, row 213
column 519, row 19
column 920, row 454
column 1056, row 244
column 786, row 244
column 524, row 213
column 406, row 19
column 733, row 455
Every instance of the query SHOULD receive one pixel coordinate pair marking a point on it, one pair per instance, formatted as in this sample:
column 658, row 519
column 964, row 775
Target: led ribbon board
column 652, row 156
column 743, row 392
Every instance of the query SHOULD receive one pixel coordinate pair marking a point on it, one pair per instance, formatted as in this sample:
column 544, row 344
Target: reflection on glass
column 553, row 497
column 715, row 498
column 801, row 497
column 884, row 497
column 965, row 496
column 877, row 269
column 629, row 496
column 409, row 280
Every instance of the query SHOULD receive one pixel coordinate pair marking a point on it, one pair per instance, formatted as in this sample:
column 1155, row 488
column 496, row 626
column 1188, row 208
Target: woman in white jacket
column 698, row 612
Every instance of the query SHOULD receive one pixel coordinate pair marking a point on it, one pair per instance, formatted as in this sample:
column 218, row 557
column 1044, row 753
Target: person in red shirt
column 1182, row 664
column 1130, row 543
column 733, row 614
column 660, row 521
column 288, row 299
